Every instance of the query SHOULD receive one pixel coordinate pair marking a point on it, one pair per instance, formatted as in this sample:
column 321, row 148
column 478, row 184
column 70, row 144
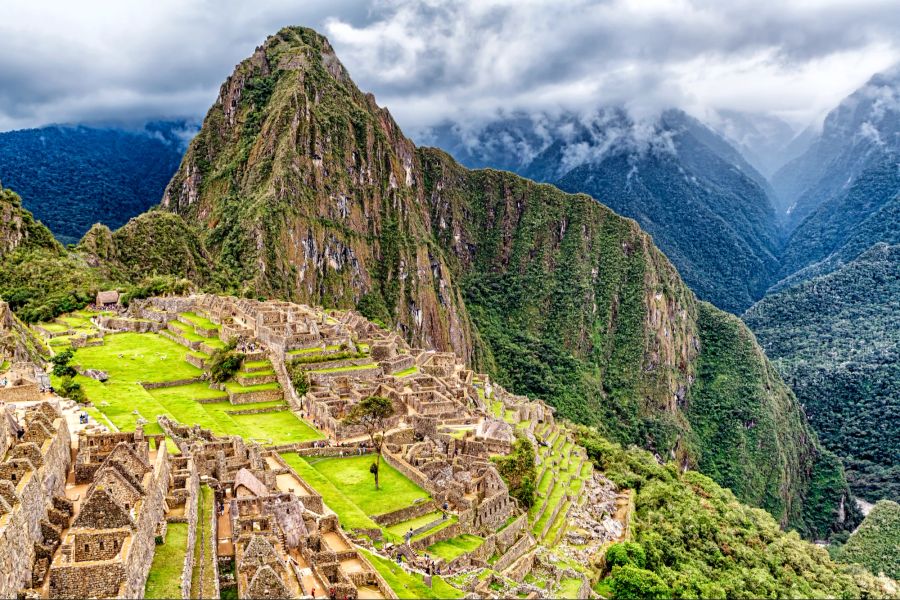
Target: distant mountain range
column 73, row 177
column 798, row 230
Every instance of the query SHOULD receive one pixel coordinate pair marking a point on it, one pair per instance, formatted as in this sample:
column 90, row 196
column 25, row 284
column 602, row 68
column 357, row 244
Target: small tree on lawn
column 373, row 414
column 61, row 366
column 225, row 362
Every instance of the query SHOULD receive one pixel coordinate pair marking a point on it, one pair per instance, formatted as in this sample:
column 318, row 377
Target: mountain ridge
column 304, row 188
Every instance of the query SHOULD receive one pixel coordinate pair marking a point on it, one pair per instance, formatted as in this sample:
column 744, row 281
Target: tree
column 373, row 414
column 225, row 362
column 633, row 583
column 69, row 388
column 61, row 366
column 518, row 471
column 625, row 553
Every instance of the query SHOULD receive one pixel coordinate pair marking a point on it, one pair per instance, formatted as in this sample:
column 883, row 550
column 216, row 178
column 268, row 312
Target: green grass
column 497, row 409
column 342, row 369
column 407, row 372
column 164, row 579
column 255, row 364
column 400, row 529
column 235, row 387
column 410, row 585
column 349, row 514
column 204, row 587
column 53, row 327
column 568, row 588
column 145, row 357
column 351, row 476
column 197, row 320
column 301, row 351
column 150, row 357
column 451, row 519
column 456, row 546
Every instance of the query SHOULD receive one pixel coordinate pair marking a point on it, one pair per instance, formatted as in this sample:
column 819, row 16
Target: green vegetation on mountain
column 304, row 188
column 851, row 390
column 844, row 226
column 876, row 543
column 697, row 540
column 151, row 255
column 69, row 177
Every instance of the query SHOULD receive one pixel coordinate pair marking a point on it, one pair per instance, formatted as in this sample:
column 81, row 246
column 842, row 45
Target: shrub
column 71, row 389
column 61, row 366
column 225, row 362
column 633, row 583
column 518, row 471
column 625, row 553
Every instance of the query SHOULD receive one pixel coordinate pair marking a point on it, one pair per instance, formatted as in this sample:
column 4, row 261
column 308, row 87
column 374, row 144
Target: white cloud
column 63, row 61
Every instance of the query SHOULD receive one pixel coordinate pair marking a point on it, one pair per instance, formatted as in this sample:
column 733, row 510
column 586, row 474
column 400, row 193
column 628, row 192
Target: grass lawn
column 568, row 588
column 401, row 528
column 145, row 357
column 407, row 372
column 456, row 546
column 342, row 369
column 410, row 585
column 197, row 320
column 164, row 580
column 255, row 364
column 150, row 357
column 203, row 585
column 349, row 514
column 351, row 476
column 233, row 386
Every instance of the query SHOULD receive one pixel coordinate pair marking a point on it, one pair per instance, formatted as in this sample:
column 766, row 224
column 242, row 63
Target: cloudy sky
column 104, row 61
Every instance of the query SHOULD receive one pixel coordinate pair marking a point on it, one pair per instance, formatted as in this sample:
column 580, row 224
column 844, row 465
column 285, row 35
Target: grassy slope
column 164, row 579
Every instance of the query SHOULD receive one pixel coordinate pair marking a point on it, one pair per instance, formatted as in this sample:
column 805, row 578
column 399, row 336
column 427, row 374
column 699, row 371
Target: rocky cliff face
column 305, row 189
column 18, row 227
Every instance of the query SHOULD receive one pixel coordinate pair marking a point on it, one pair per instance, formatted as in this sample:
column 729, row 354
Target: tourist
column 409, row 535
column 313, row 594
column 20, row 433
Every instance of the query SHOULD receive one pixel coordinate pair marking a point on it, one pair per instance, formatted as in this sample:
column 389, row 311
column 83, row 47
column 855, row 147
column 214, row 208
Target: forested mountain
column 72, row 177
column 704, row 205
column 836, row 341
column 304, row 188
column 848, row 223
column 876, row 543
column 855, row 138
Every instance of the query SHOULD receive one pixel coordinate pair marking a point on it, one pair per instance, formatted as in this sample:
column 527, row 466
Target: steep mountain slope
column 848, row 223
column 704, row 205
column 835, row 340
column 19, row 229
column 876, row 543
column 855, row 136
column 766, row 141
column 305, row 189
column 692, row 539
column 71, row 177
column 40, row 279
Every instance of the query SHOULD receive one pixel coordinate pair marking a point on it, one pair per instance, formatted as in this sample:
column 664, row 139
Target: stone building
column 108, row 549
column 32, row 482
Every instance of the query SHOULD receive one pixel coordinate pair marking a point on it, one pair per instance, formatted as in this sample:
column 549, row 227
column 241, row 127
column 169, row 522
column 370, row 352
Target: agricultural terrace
column 130, row 359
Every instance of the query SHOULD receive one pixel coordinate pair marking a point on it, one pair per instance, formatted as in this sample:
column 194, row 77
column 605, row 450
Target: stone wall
column 21, row 528
column 190, row 513
column 405, row 514
column 101, row 580
column 152, row 385
column 26, row 392
column 143, row 544
column 253, row 397
column 516, row 550
column 438, row 536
